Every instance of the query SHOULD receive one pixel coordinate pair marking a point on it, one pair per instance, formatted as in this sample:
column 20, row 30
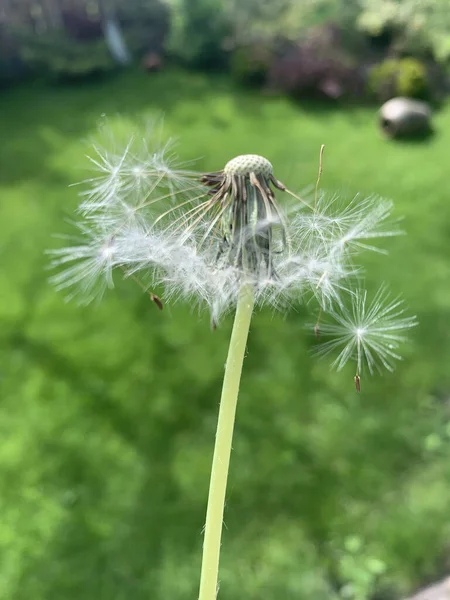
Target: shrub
column 419, row 27
column 56, row 55
column 80, row 26
column 272, row 20
column 11, row 66
column 250, row 64
column 399, row 77
column 199, row 32
column 81, row 46
column 411, row 78
column 317, row 66
column 146, row 26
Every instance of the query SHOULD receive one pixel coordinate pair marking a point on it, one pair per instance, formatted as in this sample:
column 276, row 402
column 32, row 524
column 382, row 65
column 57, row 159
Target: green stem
column 222, row 448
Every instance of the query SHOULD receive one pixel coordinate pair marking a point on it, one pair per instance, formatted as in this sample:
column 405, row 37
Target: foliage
column 203, row 29
column 399, row 77
column 251, row 63
column 79, row 46
column 411, row 78
column 108, row 413
column 145, row 24
column 57, row 55
column 272, row 20
column 198, row 33
column 11, row 67
column 318, row 65
column 419, row 25
column 358, row 570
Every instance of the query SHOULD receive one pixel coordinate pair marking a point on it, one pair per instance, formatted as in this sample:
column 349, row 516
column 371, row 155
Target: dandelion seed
column 347, row 227
column 88, row 262
column 154, row 298
column 369, row 333
column 137, row 171
column 365, row 219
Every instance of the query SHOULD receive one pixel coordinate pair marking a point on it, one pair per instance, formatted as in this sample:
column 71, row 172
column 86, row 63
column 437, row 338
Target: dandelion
column 222, row 239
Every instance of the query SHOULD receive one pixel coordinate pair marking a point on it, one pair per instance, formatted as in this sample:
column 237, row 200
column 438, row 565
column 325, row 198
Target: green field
column 107, row 413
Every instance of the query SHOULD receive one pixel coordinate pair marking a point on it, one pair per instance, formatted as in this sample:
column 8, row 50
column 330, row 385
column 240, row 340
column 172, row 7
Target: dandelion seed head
column 202, row 236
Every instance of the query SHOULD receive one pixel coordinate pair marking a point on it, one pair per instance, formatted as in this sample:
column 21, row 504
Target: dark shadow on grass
column 416, row 138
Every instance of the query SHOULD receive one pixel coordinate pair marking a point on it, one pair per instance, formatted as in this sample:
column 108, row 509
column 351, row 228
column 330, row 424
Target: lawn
column 107, row 412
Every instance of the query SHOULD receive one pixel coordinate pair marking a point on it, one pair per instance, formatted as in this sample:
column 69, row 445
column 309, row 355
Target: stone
column 438, row 591
column 402, row 117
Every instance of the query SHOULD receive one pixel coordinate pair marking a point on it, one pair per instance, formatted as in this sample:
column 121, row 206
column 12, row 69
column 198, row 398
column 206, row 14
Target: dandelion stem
column 222, row 449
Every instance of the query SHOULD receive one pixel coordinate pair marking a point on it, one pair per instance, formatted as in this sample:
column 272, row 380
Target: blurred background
column 108, row 412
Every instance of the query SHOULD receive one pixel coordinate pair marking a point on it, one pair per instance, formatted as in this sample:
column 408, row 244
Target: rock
column 404, row 117
column 438, row 591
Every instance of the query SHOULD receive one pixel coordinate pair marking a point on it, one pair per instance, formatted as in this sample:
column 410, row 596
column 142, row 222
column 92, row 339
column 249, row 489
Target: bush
column 411, row 78
column 57, row 56
column 146, row 26
column 250, row 64
column 271, row 20
column 11, row 66
column 80, row 26
column 199, row 32
column 82, row 47
column 399, row 77
column 419, row 27
column 317, row 66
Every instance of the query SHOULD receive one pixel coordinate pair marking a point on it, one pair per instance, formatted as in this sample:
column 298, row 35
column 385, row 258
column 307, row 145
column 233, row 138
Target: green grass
column 107, row 413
